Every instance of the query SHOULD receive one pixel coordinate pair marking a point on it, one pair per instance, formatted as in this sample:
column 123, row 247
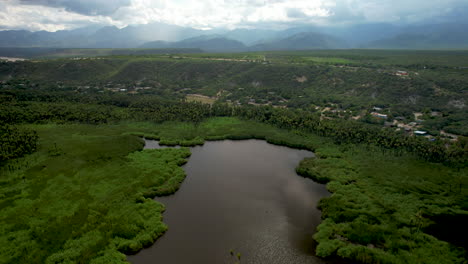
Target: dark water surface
column 239, row 195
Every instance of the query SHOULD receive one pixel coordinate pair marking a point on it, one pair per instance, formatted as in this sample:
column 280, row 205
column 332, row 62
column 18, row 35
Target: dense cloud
column 394, row 11
column 63, row 14
column 85, row 7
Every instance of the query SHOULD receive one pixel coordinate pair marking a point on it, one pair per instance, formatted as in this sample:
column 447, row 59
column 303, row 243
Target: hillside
column 445, row 36
column 213, row 43
column 302, row 41
column 415, row 41
column 345, row 80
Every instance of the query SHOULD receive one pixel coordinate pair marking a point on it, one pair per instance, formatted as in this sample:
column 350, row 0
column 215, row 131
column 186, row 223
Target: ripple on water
column 239, row 195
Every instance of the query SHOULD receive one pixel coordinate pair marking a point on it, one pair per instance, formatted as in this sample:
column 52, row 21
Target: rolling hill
column 302, row 41
column 213, row 43
column 441, row 36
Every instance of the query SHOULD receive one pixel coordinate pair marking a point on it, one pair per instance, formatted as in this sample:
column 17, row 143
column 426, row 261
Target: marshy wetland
column 380, row 202
column 77, row 185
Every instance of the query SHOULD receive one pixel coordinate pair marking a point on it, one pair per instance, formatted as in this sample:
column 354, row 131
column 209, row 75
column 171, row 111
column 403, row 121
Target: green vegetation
column 328, row 60
column 15, row 143
column 85, row 196
column 76, row 186
column 382, row 204
column 349, row 82
column 146, row 108
column 102, row 176
column 377, row 213
column 200, row 98
column 84, row 53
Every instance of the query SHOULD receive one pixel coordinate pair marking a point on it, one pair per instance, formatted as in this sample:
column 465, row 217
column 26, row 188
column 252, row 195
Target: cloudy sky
column 52, row 15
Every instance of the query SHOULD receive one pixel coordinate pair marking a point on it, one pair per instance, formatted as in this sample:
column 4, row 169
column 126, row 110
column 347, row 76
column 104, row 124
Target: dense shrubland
column 382, row 204
column 15, row 143
column 85, row 196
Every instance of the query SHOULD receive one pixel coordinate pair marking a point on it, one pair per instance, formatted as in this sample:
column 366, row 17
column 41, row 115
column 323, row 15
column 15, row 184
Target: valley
column 233, row 132
column 77, row 184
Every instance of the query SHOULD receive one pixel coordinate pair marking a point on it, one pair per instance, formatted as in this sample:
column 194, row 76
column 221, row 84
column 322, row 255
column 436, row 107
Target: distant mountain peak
column 374, row 35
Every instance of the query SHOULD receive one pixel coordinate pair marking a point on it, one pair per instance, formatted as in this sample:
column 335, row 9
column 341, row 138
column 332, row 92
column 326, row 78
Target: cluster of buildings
column 412, row 127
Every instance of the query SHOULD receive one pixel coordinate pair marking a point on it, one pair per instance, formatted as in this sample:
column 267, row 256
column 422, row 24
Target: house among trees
column 378, row 115
column 401, row 73
column 420, row 133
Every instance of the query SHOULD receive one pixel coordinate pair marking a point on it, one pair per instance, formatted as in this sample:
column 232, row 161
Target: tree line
column 19, row 107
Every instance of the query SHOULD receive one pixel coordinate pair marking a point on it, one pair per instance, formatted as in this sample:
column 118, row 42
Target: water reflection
column 244, row 196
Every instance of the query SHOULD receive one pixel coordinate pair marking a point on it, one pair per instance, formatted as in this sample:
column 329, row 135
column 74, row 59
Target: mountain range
column 159, row 35
column 210, row 43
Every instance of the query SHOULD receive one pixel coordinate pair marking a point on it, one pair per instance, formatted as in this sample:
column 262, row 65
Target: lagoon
column 240, row 198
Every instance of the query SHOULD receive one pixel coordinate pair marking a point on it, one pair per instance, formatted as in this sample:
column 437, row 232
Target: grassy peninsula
column 84, row 196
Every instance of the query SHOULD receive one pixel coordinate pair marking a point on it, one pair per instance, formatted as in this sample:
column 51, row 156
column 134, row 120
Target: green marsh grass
column 91, row 201
column 89, row 204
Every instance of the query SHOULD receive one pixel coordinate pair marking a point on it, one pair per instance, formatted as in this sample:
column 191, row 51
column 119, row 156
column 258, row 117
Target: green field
column 328, row 60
